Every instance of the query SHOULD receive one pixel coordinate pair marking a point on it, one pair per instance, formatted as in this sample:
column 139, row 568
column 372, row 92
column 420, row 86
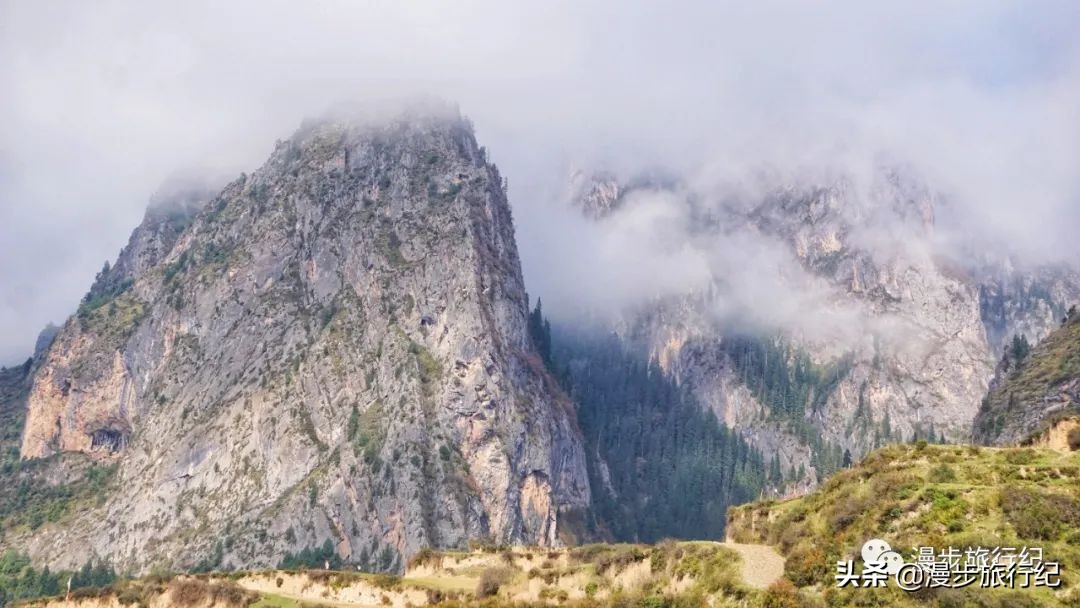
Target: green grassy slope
column 925, row 495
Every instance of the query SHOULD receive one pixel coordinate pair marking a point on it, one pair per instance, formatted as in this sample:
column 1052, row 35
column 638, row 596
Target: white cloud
column 102, row 101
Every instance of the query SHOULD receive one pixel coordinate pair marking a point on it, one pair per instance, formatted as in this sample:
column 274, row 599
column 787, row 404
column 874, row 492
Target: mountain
column 832, row 319
column 1036, row 391
column 329, row 352
column 334, row 358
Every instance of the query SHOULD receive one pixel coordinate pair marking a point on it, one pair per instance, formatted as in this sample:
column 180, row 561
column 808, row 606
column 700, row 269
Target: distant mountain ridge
column 914, row 335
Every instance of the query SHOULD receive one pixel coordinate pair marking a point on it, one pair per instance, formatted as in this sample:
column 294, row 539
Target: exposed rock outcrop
column 901, row 340
column 331, row 348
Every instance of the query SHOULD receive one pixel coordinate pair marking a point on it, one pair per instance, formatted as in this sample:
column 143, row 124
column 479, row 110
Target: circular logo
column 893, row 561
column 873, row 548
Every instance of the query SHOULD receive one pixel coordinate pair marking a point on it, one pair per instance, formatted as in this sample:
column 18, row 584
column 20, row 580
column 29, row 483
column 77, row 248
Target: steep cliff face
column 332, row 348
column 1024, row 303
column 83, row 391
column 910, row 337
column 1033, row 387
column 875, row 338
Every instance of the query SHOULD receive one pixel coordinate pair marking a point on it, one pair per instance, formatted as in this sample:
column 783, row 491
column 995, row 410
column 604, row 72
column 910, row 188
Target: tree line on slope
column 659, row 464
column 794, row 388
column 19, row 580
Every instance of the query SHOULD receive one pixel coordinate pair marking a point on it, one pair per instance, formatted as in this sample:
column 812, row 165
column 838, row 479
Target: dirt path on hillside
column 761, row 564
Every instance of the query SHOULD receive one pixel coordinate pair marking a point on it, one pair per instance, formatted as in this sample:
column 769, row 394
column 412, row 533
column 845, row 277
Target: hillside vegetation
column 927, row 496
column 668, row 574
column 1034, row 388
column 660, row 465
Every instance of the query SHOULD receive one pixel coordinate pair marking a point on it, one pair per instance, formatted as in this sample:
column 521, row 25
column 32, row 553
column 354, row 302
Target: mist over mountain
column 727, row 252
column 813, row 319
column 734, row 101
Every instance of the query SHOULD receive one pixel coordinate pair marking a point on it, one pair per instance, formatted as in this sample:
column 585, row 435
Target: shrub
column 231, row 595
column 893, row 483
column 424, row 557
column 892, row 513
column 806, row 566
column 491, row 580
column 845, row 512
column 946, row 506
column 1020, row 456
column 942, row 473
column 385, row 581
column 591, row 588
column 193, row 592
column 781, row 594
column 655, row 601
column 188, row 592
column 1040, row 515
column 1018, row 599
column 1074, row 438
column 618, row 560
column 792, row 535
column 131, row 594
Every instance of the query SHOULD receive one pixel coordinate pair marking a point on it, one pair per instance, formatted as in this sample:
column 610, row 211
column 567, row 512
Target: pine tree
column 673, row 465
column 540, row 332
column 776, row 477
column 1019, row 348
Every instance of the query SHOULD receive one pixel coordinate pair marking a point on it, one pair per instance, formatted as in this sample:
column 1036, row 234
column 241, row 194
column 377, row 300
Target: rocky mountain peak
column 596, row 194
column 337, row 342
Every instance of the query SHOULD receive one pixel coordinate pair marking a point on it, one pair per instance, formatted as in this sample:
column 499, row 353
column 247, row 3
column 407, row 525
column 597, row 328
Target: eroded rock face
column 332, row 348
column 84, row 387
column 912, row 336
column 69, row 406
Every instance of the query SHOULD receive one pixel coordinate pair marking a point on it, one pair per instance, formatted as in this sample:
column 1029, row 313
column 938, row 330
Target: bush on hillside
column 491, row 580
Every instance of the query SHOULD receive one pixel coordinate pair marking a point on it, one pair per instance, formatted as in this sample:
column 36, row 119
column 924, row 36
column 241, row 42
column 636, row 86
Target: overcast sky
column 100, row 102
